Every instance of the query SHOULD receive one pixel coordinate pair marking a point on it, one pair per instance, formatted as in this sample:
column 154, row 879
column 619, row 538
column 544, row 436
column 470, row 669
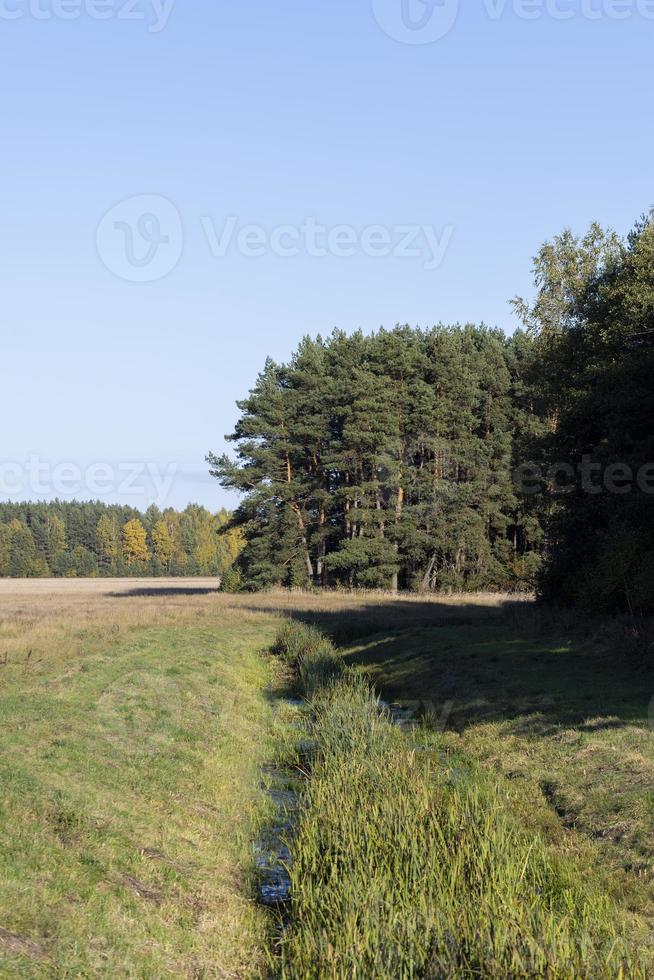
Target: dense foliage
column 385, row 461
column 88, row 539
column 459, row 458
column 593, row 374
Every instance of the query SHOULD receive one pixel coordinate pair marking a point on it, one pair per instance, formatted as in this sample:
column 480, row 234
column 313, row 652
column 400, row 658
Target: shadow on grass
column 540, row 669
column 346, row 623
column 164, row 590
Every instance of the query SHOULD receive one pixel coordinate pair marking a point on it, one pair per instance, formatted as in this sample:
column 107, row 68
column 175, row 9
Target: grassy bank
column 131, row 744
column 560, row 708
column 410, row 863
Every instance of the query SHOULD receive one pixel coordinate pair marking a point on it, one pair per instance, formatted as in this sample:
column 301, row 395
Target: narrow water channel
column 272, row 852
column 272, row 849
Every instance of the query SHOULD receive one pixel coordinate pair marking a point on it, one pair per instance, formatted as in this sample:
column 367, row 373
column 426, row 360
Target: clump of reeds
column 308, row 652
column 399, row 870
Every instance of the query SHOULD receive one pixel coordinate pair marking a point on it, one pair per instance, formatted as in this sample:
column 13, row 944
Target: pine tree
column 107, row 542
column 22, row 550
column 5, row 550
column 56, row 539
column 381, row 461
column 275, row 514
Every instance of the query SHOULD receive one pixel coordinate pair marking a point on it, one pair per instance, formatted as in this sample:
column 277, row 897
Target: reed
column 403, row 867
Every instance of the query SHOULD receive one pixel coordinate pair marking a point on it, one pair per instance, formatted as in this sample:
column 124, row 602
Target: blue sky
column 523, row 118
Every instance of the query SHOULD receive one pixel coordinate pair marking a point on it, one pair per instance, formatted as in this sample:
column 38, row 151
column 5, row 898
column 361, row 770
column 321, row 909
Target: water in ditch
column 272, row 853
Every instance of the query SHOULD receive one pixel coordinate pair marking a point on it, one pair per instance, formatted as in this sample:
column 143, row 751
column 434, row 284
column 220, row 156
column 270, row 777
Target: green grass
column 558, row 707
column 134, row 729
column 130, row 797
column 411, row 863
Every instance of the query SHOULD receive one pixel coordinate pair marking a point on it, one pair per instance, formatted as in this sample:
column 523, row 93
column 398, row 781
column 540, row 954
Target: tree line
column 69, row 539
column 385, row 461
column 458, row 457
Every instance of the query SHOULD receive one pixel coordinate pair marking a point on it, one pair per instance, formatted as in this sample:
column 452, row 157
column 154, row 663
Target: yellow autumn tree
column 135, row 543
column 162, row 544
column 206, row 549
column 232, row 541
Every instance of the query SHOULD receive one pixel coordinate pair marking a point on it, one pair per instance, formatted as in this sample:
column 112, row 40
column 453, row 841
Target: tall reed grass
column 403, row 868
column 309, row 653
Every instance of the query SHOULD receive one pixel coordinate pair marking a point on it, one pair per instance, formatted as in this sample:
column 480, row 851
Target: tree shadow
column 163, row 590
column 345, row 623
column 537, row 668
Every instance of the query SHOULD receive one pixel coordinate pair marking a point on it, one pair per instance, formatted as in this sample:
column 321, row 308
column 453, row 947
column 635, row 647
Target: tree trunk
column 320, row 568
column 399, row 503
column 425, row 585
column 301, row 525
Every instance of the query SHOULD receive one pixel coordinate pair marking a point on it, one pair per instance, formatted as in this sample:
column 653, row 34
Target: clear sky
column 126, row 339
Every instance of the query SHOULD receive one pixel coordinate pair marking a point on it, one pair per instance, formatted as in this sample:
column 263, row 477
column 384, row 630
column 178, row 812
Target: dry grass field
column 35, row 613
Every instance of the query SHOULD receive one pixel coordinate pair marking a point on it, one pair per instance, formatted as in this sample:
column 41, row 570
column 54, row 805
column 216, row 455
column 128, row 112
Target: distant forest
column 68, row 539
column 457, row 457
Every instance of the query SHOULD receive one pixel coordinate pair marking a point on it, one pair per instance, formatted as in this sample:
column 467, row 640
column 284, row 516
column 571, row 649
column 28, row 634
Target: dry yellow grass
column 33, row 612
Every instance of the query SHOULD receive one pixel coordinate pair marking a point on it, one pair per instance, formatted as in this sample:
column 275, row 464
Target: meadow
column 133, row 731
column 137, row 719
